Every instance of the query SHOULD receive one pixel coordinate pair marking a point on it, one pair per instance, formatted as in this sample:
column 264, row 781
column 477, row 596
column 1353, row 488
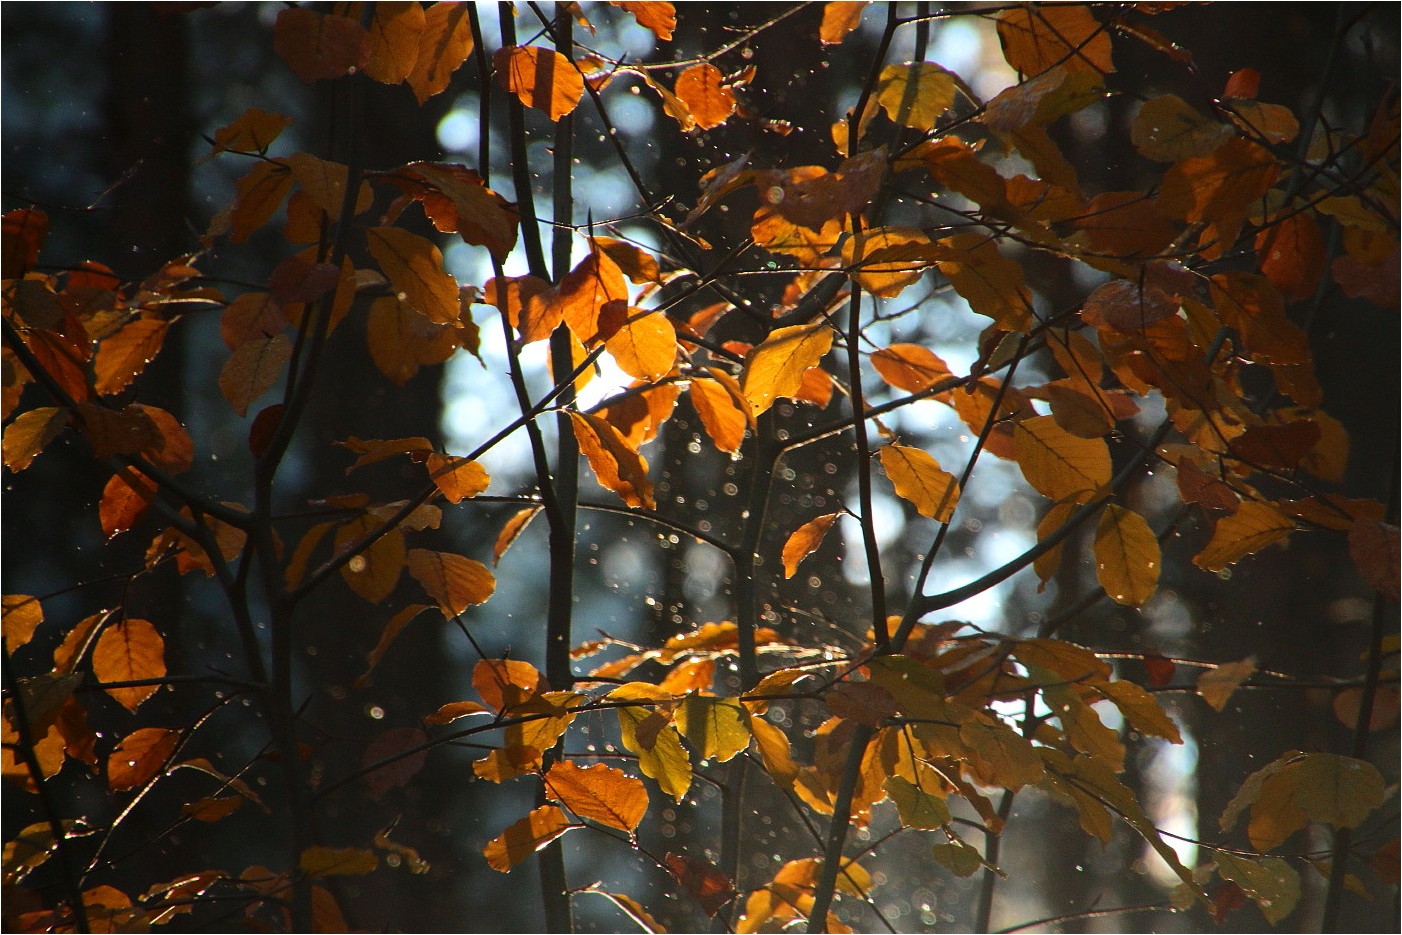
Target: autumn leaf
column 325, row 184
column 1127, row 556
column 805, row 540
column 1251, row 528
column 1298, row 788
column 663, row 758
column 374, row 572
column 1168, row 129
column 122, row 356
column 839, row 19
column 30, row 433
column 402, row 618
column 645, row 346
column 1217, row 684
column 454, row 581
column 725, row 412
column 541, row 78
column 915, row 94
column 1270, row 881
column 1293, row 254
column 513, row 528
column 253, row 369
column 456, row 199
column 578, row 300
column 716, row 728
column 139, row 756
column 774, row 751
column 775, row 367
column 702, row 879
column 661, row 18
column 322, row 861
column 22, row 616
column 628, row 905
column 910, row 367
column 415, row 268
column 601, row 793
column 1003, row 757
column 617, row 466
column 130, row 650
column 320, row 45
column 401, row 340
column 525, row 837
column 395, row 31
column 457, row 478
column 453, row 710
column 1058, row 464
column 711, row 103
column 919, row 479
column 504, row 683
column 1042, row 36
column 991, row 283
column 24, row 232
column 402, row 744
column 918, row 808
column 444, row 44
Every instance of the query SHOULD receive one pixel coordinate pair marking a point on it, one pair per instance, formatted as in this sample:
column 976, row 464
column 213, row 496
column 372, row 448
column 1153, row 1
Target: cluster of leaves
column 1200, row 275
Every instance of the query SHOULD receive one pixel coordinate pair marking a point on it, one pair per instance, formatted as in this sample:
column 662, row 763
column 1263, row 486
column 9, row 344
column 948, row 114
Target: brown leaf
column 1292, row 255
column 457, row 200
column 910, row 367
column 24, row 231
column 1127, row 307
column 453, row 710
column 541, row 78
column 454, row 581
column 504, row 683
column 444, row 44
column 525, row 837
column 125, row 354
column 991, row 283
column 1375, row 552
column 513, row 528
column 30, row 433
column 1276, row 446
column 395, row 33
column 249, row 317
column 401, row 340
column 711, row 102
column 395, row 741
column 374, row 572
column 1217, row 684
column 415, row 268
column 139, row 757
column 601, row 793
column 396, row 625
column 253, row 369
column 1168, row 129
column 376, row 449
column 317, row 45
column 617, row 466
column 128, row 651
column 1042, row 36
column 710, row 887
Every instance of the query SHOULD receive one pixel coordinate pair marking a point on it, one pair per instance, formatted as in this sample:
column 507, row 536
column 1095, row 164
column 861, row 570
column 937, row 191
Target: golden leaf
column 661, row 18
column 1167, row 129
column 711, row 103
column 910, row 367
column 511, row 530
column 1127, row 556
column 454, row 581
column 919, row 479
column 444, row 44
column 839, row 19
column 804, row 540
column 645, row 346
column 541, row 78
column 122, row 356
column 395, row 32
column 724, row 411
column 664, row 759
column 1217, row 684
column 716, row 728
column 1058, row 464
column 617, row 466
column 1251, row 528
column 1037, row 37
column 457, row 478
column 915, row 94
column 129, row 651
column 321, row 861
column 415, row 270
column 374, row 572
column 29, row 433
column 774, row 368
column 602, row 793
column 139, row 756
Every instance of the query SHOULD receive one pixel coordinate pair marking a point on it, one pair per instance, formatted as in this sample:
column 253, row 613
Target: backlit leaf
column 122, row 356
column 804, row 540
column 958, row 857
column 711, row 102
column 1270, row 881
column 30, row 433
column 139, row 756
column 580, row 298
column 716, row 728
column 919, row 479
column 1168, row 129
column 918, row 808
column 457, row 478
column 1375, row 551
column 129, row 650
column 454, row 581
column 630, row 906
column 1037, row 37
column 617, row 466
column 22, row 616
column 1217, row 189
column 24, row 231
column 839, row 19
column 319, row 45
column 991, row 283
column 910, row 367
column 915, row 94
column 322, row 861
column 373, row 450
column 1141, row 709
column 663, row 759
column 702, row 879
column 1217, row 684
column 541, row 78
column 1292, row 255
column 525, row 837
column 723, row 408
column 401, row 340
column 415, row 269
column 395, row 32
column 1003, row 757
column 444, row 44
column 645, row 346
column 453, row 710
column 456, row 199
column 325, row 184
column 503, row 683
column 774, row 368
column 1273, row 123
column 1127, row 556
column 1058, row 464
column 661, row 18
column 511, row 530
column 1251, row 528
column 374, row 572
column 602, row 793
column 774, row 751
column 253, row 369
column 1298, row 788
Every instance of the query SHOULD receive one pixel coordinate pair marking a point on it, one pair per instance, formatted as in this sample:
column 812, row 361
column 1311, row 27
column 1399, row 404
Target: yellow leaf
column 991, row 283
column 504, row 683
column 664, row 759
column 444, row 44
column 457, row 478
column 1140, row 709
column 711, row 102
column 541, row 78
column 773, row 746
column 395, row 32
column 29, row 433
column 253, row 369
column 1127, row 556
column 1058, row 464
column 889, row 276
column 918, row 808
column 415, row 270
column 645, row 346
column 322, row 861
column 22, row 616
column 915, row 94
column 376, row 449
column 919, row 479
column 128, row 651
column 453, row 710
column 636, row 263
column 910, row 367
column 839, row 19
column 401, row 340
column 602, row 793
column 454, row 581
column 775, row 367
column 716, row 728
column 1251, row 528
column 724, row 411
column 1274, row 123
column 1270, row 881
column 804, row 540
column 511, row 530
column 1217, row 684
column 1003, row 757
column 617, row 466
column 1167, row 129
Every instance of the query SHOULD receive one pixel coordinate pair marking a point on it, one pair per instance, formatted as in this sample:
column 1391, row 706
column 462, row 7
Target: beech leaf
column 444, row 44
column 253, row 369
column 1127, row 556
column 415, row 268
column 775, row 367
column 541, row 78
column 128, row 651
column 139, row 756
column 1251, row 528
column 805, row 540
column 616, row 465
column 1217, row 684
column 1058, row 464
column 525, row 837
column 919, row 479
column 711, row 103
column 454, row 581
column 601, row 793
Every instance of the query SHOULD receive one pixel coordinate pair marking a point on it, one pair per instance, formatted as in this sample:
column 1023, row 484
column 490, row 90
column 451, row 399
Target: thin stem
column 837, row 829
column 993, row 841
column 859, row 424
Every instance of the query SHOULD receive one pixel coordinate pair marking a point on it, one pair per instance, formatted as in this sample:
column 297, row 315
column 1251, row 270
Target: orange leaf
column 910, row 367
column 775, row 367
column 415, row 268
column 454, row 581
column 617, row 466
column 457, row 478
column 504, row 683
column 395, row 33
column 1375, row 551
column 317, row 45
column 1217, row 684
column 511, row 530
column 919, row 479
column 396, row 625
column 888, row 277
column 645, row 346
column 27, row 435
column 128, row 651
column 1292, row 256
column 724, row 411
column 1058, row 464
column 325, row 184
column 636, row 263
column 805, row 540
column 258, row 194
column 602, row 793
column 1273, row 123
column 376, row 449
column 453, row 710
column 118, row 432
column 444, row 44
column 1037, row 37
column 710, row 101
column 22, row 616
column 711, row 888
column 401, row 340
column 374, row 572
column 139, row 756
column 125, row 354
column 661, row 18
column 456, row 199
column 990, row 282
column 525, row 837
column 249, row 317
column 1251, row 528
column 839, row 19
column 579, row 298
column 541, row 78
column 1218, row 189
column 253, row 369
column 1127, row 556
